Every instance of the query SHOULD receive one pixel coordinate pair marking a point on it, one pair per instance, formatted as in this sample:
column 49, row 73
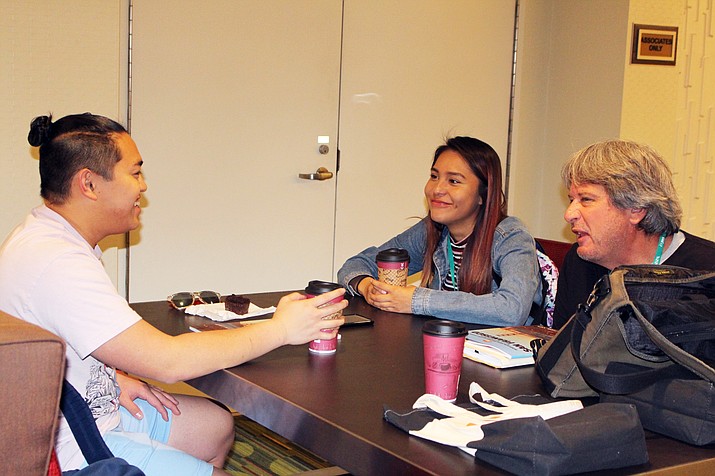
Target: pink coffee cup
column 392, row 266
column 443, row 348
column 316, row 288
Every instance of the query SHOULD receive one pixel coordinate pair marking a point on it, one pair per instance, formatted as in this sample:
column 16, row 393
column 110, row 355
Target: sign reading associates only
column 654, row 44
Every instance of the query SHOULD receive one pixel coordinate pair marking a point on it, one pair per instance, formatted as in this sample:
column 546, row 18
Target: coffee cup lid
column 444, row 328
column 393, row 255
column 320, row 287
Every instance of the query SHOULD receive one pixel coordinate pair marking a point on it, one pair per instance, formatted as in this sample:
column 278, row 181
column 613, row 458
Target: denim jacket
column 513, row 260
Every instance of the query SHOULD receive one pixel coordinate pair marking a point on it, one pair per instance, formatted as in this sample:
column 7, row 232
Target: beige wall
column 672, row 108
column 649, row 114
column 569, row 93
column 576, row 85
column 64, row 58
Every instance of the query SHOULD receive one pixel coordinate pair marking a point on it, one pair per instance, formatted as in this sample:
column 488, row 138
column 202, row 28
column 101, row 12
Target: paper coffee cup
column 443, row 343
column 316, row 288
column 392, row 266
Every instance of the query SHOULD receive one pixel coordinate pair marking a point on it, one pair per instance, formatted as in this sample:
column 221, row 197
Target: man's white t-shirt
column 50, row 276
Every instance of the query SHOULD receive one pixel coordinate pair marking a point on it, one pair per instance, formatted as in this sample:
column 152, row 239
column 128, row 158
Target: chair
column 556, row 250
column 32, row 362
column 551, row 257
column 32, row 365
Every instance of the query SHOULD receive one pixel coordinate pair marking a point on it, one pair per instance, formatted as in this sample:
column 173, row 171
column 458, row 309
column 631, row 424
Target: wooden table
column 333, row 404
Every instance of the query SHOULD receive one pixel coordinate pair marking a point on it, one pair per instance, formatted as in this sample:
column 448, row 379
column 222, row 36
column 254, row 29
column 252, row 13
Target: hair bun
column 39, row 130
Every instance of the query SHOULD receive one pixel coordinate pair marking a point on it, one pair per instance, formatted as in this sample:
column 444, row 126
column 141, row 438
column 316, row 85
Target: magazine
column 504, row 347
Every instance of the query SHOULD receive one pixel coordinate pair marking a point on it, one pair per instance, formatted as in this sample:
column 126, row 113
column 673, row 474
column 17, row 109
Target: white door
column 414, row 73
column 229, row 99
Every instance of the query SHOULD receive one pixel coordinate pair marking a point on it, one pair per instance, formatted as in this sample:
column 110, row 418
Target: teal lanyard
column 659, row 251
column 450, row 253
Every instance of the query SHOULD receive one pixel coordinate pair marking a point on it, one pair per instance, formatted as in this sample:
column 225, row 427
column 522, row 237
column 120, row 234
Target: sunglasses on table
column 186, row 299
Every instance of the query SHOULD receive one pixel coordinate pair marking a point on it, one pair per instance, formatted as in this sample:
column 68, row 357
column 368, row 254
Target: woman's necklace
column 450, row 253
column 455, row 253
column 659, row 251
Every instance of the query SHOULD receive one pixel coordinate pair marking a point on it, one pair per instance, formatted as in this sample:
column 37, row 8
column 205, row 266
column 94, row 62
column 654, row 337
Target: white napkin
column 218, row 312
column 462, row 426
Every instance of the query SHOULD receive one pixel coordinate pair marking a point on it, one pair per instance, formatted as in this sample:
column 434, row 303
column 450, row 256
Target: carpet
column 259, row 451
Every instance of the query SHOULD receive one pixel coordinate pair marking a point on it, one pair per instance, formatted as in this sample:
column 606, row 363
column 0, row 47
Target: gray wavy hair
column 634, row 176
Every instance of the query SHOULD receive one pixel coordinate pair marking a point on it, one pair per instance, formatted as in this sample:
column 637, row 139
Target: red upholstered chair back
column 556, row 250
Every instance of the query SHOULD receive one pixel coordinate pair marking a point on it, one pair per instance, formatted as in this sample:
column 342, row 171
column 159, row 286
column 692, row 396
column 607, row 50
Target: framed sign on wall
column 654, row 44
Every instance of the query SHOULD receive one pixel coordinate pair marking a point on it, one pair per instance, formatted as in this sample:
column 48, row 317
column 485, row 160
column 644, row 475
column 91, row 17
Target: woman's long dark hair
column 475, row 274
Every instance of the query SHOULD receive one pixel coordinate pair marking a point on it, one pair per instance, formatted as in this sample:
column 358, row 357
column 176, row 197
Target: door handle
column 321, row 174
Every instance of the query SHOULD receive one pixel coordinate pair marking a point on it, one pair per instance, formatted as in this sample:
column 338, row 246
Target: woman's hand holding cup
column 389, row 297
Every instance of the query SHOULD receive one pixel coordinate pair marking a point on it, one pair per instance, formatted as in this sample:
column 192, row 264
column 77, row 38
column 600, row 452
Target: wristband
column 355, row 282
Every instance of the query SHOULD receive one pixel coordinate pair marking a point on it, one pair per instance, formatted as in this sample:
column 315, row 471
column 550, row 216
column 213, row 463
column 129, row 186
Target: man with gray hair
column 624, row 211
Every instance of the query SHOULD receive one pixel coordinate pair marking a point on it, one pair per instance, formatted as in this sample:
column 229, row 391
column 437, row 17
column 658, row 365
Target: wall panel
column 64, row 58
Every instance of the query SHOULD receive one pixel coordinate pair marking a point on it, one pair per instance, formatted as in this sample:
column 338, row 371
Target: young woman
column 478, row 265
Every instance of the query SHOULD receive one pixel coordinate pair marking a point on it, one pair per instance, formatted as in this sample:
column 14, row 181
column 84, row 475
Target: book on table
column 504, row 347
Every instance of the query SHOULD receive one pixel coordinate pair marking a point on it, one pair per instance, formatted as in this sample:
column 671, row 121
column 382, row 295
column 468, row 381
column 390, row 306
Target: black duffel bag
column 645, row 336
